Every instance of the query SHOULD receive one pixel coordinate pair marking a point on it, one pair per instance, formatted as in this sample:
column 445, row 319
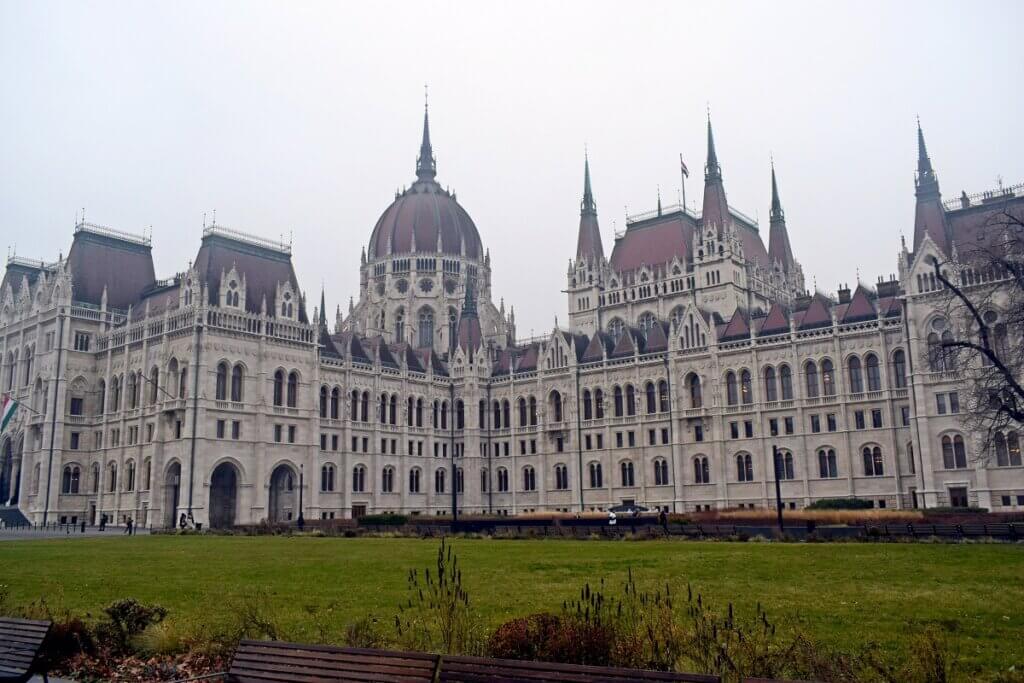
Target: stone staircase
column 12, row 516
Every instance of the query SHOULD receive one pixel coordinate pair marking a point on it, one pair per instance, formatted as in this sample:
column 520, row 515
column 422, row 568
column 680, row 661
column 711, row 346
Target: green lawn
column 847, row 594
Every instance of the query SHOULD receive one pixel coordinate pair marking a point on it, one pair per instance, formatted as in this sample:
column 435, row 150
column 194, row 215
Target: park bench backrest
column 20, row 643
column 274, row 662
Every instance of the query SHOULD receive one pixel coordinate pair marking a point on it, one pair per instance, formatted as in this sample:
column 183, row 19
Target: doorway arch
column 172, row 495
column 223, row 496
column 283, row 496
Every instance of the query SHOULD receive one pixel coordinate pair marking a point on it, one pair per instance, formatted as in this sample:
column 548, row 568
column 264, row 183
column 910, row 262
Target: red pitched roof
column 653, row 242
column 818, row 314
column 738, row 327
column 861, row 307
column 776, row 322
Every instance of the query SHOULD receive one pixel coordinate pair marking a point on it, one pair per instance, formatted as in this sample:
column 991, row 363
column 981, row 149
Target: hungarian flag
column 7, row 410
column 682, row 167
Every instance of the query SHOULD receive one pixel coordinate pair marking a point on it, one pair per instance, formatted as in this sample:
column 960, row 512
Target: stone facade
column 215, row 393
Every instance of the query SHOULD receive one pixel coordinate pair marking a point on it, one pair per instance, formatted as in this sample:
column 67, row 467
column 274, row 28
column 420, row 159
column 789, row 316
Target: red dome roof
column 417, row 217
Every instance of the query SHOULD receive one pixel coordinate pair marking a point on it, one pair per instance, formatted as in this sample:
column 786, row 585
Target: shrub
column 946, row 510
column 126, row 619
column 840, row 504
column 383, row 520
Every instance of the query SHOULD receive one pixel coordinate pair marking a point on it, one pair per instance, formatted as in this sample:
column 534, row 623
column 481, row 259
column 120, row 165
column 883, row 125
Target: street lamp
column 301, row 520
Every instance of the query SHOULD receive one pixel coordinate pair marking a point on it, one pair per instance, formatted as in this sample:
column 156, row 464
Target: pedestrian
column 611, row 518
column 183, row 521
column 103, row 522
column 127, row 526
column 83, row 526
column 301, row 522
column 663, row 520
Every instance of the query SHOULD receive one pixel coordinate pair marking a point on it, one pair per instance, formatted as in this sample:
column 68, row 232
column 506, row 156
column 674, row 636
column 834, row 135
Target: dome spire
column 426, row 165
column 588, row 206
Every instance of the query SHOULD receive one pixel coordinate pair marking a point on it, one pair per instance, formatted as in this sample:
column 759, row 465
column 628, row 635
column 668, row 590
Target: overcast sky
column 305, row 118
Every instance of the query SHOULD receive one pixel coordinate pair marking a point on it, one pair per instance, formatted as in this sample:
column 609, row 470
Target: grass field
column 845, row 594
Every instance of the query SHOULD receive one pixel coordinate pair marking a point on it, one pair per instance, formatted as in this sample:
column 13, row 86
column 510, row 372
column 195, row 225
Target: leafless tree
column 985, row 313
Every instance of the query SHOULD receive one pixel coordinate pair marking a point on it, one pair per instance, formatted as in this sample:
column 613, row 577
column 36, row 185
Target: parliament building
column 694, row 351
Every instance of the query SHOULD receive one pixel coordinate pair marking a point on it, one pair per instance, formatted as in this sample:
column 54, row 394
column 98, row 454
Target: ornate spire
column 323, row 309
column 929, row 215
column 711, row 169
column 587, row 206
column 426, row 165
column 588, row 239
column 924, row 164
column 779, row 249
column 777, row 213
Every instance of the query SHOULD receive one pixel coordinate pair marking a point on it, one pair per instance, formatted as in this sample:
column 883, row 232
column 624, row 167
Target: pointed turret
column 779, row 249
column 929, row 216
column 716, row 208
column 426, row 165
column 323, row 310
column 588, row 241
column 469, row 332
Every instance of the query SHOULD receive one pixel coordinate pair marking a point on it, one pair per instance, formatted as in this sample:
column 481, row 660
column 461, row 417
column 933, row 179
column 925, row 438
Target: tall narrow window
column 236, row 384
column 279, row 388
column 222, row 381
column 696, row 399
column 811, row 378
column 874, row 377
column 771, row 392
column 899, row 369
column 786, row 382
column 731, row 389
column 293, row 389
column 746, row 389
column 828, row 378
column 856, row 378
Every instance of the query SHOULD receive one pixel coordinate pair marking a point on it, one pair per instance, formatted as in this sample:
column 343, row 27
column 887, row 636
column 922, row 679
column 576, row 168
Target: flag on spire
column 7, row 410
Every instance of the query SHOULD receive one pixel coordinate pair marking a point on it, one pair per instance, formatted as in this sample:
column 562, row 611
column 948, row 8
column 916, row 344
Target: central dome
column 425, row 219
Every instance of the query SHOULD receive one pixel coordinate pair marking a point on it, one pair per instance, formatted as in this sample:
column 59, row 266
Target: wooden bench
column 273, row 662
column 20, row 643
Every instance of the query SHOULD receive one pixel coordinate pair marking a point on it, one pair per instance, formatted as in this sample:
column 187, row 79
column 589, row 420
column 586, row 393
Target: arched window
column 663, row 404
column 355, row 406
column 827, row 466
column 786, row 380
column 872, row 461
column 646, row 321
column 222, row 382
column 899, row 369
column 652, row 401
column 502, row 480
column 529, row 479
column 460, row 480
column 95, row 477
column 771, row 390
column 874, row 377
column 147, row 474
column 419, row 412
column 626, row 473
column 595, row 475
column 954, row 456
column 28, row 367
column 1007, row 449
column 630, row 400
column 556, row 406
column 399, row 326
column 828, row 378
column 1001, row 342
column 744, row 467
column 293, row 388
column 746, row 389
column 483, row 480
column 327, row 477
column 811, row 378
column 460, row 414
column 444, row 414
column 129, row 476
column 949, row 353
column 154, row 385
column 533, row 411
column 414, row 480
column 358, row 479
column 522, row 412
column 588, row 405
column 102, row 397
column 701, row 471
column 506, row 417
column 426, row 328
column 856, row 378
column 731, row 389
column 439, row 477
column 393, row 410
column 112, row 478
column 236, row 384
column 364, row 407
column 618, row 401
column 935, row 355
column 387, row 480
column 323, row 402
column 115, row 394
column 784, row 469
column 279, row 388
column 497, row 415
column 693, row 384
column 561, row 477
column 70, row 479
column 661, row 472
column 615, row 328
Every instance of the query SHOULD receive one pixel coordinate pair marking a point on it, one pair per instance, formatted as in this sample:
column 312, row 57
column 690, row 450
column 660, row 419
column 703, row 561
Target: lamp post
column 778, row 488
column 301, row 520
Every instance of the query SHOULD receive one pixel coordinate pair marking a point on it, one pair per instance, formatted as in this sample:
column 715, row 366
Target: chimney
column 844, row 294
column 888, row 288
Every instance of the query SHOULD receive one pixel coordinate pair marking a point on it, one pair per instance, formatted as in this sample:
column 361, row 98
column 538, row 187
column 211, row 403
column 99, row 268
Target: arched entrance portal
column 223, row 496
column 7, row 484
column 172, row 495
column 282, row 506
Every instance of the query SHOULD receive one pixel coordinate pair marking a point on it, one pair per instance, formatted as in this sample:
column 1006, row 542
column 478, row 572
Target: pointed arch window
column 661, row 472
column 856, row 378
column 899, row 369
column 811, row 378
column 626, row 473
column 630, row 400
column 693, row 383
column 426, row 328
column 618, row 401
column 771, row 390
column 222, row 381
column 701, row 470
column 663, row 404
column 746, row 388
column 786, row 382
column 872, row 371
column 236, row 384
column 731, row 388
column 588, row 407
column 651, row 401
column 873, row 465
column 827, row 466
column 595, row 475
column 387, row 480
column 828, row 378
column 279, row 388
column 744, row 467
column 529, row 479
column 293, row 389
column 598, row 404
column 323, row 402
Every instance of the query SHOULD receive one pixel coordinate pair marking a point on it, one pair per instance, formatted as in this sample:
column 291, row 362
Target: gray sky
column 306, row 117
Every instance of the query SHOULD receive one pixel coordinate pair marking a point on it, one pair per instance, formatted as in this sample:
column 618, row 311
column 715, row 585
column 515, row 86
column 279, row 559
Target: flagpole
column 682, row 179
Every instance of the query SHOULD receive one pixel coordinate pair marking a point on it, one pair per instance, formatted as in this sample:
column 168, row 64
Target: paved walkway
column 27, row 534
